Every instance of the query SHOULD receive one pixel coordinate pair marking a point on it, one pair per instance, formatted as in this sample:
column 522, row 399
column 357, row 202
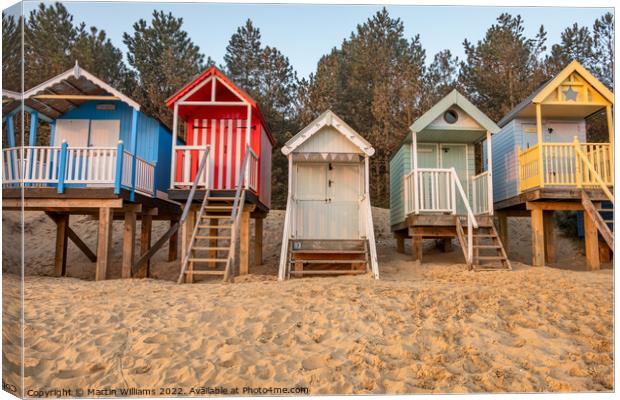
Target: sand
column 434, row 327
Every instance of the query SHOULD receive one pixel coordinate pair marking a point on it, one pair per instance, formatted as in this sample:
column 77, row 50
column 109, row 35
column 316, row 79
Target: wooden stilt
column 129, row 242
column 446, row 245
column 416, row 248
column 258, row 241
column 173, row 244
column 60, row 258
column 104, row 241
column 502, row 222
column 604, row 252
column 190, row 222
column 400, row 244
column 538, row 240
column 591, row 238
column 145, row 244
column 244, row 244
column 549, row 230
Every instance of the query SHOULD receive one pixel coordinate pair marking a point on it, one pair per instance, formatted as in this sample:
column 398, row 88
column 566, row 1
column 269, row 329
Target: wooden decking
column 104, row 206
column 539, row 205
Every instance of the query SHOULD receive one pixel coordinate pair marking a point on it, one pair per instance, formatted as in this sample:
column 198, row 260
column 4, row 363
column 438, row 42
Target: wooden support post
column 145, row 244
column 446, row 245
column 244, row 244
column 129, row 242
column 604, row 252
column 591, row 238
column 538, row 239
column 549, row 231
column 60, row 258
column 502, row 222
column 173, row 244
column 190, row 223
column 400, row 244
column 258, row 241
column 213, row 242
column 104, row 241
column 416, row 248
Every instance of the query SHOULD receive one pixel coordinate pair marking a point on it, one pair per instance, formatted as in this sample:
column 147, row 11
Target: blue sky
column 305, row 32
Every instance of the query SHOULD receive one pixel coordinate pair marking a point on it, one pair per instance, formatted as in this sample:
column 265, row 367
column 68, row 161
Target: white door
column 104, row 133
column 311, row 196
column 73, row 131
column 327, row 201
column 344, row 189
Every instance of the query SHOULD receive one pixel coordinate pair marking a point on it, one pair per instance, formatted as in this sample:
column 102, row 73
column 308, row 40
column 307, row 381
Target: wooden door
column 311, row 200
column 344, row 190
column 73, row 131
column 455, row 156
column 427, row 158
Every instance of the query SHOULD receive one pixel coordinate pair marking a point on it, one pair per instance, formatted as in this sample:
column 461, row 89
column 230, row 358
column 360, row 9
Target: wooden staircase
column 602, row 217
column 488, row 251
column 328, row 257
column 211, row 250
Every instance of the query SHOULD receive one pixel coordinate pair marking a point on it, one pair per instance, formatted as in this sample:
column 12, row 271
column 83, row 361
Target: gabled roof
column 214, row 71
column 328, row 118
column 544, row 90
column 454, row 98
column 74, row 80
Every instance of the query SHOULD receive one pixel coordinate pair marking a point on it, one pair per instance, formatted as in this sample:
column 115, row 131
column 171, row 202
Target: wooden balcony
column 567, row 165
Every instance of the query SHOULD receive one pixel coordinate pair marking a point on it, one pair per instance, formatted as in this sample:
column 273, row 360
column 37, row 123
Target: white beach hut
column 328, row 224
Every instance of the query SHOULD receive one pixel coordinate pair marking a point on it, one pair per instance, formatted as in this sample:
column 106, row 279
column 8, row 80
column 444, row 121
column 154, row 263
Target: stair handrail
column 592, row 170
column 471, row 218
column 286, row 233
column 235, row 215
column 370, row 231
column 188, row 206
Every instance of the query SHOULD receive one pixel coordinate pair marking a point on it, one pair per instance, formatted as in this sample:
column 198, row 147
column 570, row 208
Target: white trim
column 211, row 103
column 229, row 147
column 490, row 170
column 194, row 90
column 77, row 73
column 175, row 123
column 328, row 118
column 220, row 158
column 11, row 94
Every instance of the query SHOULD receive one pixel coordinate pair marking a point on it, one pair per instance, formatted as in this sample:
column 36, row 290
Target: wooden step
column 328, row 251
column 218, row 207
column 206, row 248
column 215, row 226
column 220, row 198
column 490, row 258
column 328, row 261
column 216, row 216
column 485, row 268
column 216, row 260
column 487, row 235
column 212, row 237
column 328, row 272
column 200, row 272
column 609, row 221
column 486, row 246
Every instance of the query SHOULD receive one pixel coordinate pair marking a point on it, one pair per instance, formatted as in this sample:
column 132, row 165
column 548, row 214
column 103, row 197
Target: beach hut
column 437, row 190
column 543, row 162
column 100, row 155
column 328, row 223
column 227, row 163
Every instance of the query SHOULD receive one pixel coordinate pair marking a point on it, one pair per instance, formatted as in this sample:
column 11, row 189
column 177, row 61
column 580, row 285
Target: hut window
column 450, row 116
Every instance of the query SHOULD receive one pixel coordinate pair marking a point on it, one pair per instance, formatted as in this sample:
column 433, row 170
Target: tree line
column 377, row 80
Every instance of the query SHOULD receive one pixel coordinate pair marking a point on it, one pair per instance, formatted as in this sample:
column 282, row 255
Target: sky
column 305, row 32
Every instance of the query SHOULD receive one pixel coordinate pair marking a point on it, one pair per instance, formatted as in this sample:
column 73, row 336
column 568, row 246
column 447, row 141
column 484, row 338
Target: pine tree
column 96, row 53
column 503, row 68
column 11, row 53
column 244, row 56
column 576, row 44
column 48, row 38
column 164, row 58
column 441, row 77
column 604, row 49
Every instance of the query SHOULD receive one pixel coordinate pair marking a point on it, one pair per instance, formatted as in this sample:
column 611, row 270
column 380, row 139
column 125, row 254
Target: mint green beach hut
column 439, row 191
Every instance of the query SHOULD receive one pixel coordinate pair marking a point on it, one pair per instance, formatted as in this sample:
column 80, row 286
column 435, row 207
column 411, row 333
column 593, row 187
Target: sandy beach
column 434, row 327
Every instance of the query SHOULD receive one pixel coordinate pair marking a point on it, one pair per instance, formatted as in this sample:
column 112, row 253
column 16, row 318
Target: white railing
column 370, row 233
column 436, row 190
column 185, row 157
column 144, row 176
column 481, row 193
column 430, row 190
column 90, row 165
column 39, row 165
column 251, row 179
